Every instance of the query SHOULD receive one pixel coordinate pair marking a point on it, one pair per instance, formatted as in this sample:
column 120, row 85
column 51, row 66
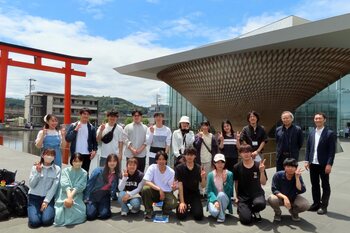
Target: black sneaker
column 314, row 207
column 257, row 216
column 322, row 211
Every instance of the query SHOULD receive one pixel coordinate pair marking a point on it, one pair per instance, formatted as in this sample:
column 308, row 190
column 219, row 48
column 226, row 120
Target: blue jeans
column 135, row 203
column 100, row 209
column 36, row 218
column 223, row 199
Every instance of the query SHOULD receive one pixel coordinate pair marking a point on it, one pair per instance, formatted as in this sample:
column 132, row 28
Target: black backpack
column 17, row 197
column 4, row 210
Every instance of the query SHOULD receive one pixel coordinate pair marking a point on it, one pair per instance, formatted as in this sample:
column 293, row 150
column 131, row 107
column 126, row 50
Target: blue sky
column 119, row 32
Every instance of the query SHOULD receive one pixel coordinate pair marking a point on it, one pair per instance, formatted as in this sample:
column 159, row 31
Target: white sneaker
column 134, row 211
column 124, row 213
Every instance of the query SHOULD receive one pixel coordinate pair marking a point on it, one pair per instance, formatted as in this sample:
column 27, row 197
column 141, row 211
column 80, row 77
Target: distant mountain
column 14, row 103
column 105, row 103
column 123, row 106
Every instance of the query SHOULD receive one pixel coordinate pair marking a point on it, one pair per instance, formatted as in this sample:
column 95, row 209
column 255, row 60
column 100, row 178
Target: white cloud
column 319, row 9
column 93, row 7
column 73, row 39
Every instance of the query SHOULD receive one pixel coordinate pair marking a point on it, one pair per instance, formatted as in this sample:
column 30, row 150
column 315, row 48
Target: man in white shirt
column 82, row 138
column 134, row 137
column 319, row 158
column 111, row 137
column 159, row 186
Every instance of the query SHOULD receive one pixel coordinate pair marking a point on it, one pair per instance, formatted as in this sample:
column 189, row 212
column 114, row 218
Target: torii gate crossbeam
column 38, row 55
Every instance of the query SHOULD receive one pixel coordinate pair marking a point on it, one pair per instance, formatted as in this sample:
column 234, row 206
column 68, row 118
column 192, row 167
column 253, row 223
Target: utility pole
column 158, row 98
column 31, row 86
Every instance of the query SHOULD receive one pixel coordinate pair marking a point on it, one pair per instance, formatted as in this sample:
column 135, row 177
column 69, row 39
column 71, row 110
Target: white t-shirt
column 82, row 140
column 162, row 180
column 113, row 146
column 206, row 156
column 160, row 138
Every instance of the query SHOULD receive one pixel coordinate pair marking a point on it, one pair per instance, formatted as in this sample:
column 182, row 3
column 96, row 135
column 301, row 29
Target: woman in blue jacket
column 102, row 183
column 219, row 189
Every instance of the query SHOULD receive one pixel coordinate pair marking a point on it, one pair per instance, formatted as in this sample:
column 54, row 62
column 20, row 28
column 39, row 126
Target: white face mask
column 48, row 159
column 77, row 164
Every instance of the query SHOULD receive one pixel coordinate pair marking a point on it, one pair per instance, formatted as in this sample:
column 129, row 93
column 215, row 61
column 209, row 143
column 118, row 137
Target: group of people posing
column 225, row 169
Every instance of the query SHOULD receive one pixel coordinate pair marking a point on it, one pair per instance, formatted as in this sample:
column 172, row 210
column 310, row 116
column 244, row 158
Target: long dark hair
column 46, row 120
column 222, row 127
column 105, row 172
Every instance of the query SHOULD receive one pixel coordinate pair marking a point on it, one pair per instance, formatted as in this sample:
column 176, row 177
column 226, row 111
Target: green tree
column 128, row 120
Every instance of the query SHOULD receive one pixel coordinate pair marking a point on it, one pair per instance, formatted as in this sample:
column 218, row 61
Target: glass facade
column 180, row 106
column 334, row 101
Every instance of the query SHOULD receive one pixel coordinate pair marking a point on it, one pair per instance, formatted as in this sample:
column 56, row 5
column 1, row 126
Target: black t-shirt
column 190, row 179
column 133, row 181
column 248, row 181
column 229, row 149
column 254, row 137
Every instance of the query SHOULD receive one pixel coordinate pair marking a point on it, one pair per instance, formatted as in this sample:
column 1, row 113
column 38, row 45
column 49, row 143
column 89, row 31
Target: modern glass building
column 180, row 106
column 334, row 101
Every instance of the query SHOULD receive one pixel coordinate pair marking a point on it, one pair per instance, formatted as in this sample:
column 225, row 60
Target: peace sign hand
column 125, row 173
column 238, row 135
column 298, row 172
column 203, row 173
column 262, row 165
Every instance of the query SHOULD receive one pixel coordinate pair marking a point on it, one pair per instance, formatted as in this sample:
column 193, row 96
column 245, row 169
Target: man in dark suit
column 320, row 151
column 289, row 140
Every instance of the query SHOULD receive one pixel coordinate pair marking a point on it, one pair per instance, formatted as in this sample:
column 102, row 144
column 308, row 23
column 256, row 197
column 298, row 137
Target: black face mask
column 184, row 131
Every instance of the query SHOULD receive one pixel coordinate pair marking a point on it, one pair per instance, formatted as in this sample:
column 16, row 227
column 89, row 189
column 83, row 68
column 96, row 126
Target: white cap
column 219, row 157
column 184, row 119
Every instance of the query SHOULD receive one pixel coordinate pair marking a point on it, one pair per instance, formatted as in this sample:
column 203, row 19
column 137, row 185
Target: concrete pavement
column 336, row 221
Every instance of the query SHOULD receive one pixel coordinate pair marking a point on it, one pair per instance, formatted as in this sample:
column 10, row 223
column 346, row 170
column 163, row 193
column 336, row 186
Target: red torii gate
column 38, row 55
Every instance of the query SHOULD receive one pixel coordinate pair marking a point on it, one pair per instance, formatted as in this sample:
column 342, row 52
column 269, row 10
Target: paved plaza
column 336, row 221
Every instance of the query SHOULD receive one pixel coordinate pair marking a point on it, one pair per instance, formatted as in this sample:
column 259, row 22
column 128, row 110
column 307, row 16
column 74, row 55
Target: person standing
column 111, row 137
column 159, row 186
column 254, row 135
column 249, row 175
column 219, row 189
column 182, row 139
column 206, row 147
column 287, row 187
column 50, row 137
column 289, row 140
column 158, row 137
column 319, row 158
column 189, row 175
column 228, row 143
column 82, row 138
column 134, row 137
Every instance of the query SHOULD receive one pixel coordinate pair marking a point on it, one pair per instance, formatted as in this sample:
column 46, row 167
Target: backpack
column 18, row 198
column 4, row 210
column 7, row 176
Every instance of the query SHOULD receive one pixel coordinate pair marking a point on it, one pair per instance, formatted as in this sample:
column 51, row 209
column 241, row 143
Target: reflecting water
column 25, row 141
